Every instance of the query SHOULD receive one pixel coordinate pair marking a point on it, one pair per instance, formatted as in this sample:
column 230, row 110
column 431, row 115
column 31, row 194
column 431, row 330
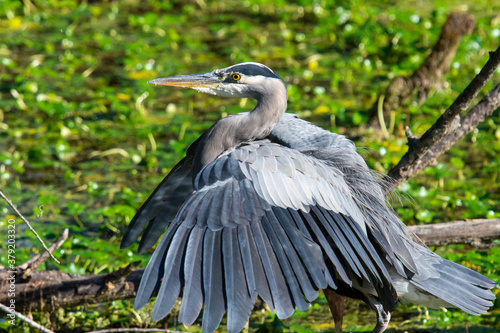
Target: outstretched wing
column 268, row 220
column 383, row 225
column 162, row 205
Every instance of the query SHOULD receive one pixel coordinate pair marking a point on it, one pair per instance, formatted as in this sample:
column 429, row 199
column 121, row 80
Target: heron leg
column 383, row 316
column 336, row 304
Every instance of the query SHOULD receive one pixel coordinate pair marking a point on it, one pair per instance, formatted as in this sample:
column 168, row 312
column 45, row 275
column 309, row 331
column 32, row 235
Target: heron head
column 248, row 79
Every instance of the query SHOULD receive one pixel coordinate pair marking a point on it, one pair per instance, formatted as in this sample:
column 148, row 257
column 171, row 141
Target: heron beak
column 206, row 80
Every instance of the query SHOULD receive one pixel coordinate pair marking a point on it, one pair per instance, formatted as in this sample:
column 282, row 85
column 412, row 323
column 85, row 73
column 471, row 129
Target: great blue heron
column 267, row 204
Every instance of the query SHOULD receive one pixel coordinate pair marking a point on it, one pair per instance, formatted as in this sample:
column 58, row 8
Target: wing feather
column 218, row 170
column 285, row 165
column 252, row 156
column 207, row 176
column 171, row 284
column 288, row 273
column 270, row 163
column 174, row 189
column 238, row 217
column 204, row 208
column 189, row 211
column 309, row 252
column 279, row 289
column 258, row 165
column 255, row 275
column 339, row 242
column 249, row 203
column 239, row 301
column 302, row 186
column 215, row 303
column 272, row 189
column 214, row 210
column 227, row 206
column 296, row 265
column 247, row 259
column 291, row 199
column 327, row 247
column 260, row 185
column 154, row 271
column 264, row 150
column 243, row 155
column 192, row 298
column 366, row 249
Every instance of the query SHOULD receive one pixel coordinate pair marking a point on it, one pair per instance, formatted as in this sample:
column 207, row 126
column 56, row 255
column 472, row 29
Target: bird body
column 267, row 204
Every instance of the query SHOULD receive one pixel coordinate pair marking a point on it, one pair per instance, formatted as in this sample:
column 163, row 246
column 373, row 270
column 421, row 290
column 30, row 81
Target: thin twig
column 29, row 226
column 37, row 260
column 120, row 330
column 25, row 319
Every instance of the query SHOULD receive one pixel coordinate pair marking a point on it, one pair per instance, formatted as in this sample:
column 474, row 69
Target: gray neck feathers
column 232, row 130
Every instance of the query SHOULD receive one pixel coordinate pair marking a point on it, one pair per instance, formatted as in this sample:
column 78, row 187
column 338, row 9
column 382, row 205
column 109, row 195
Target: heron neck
column 233, row 130
column 261, row 121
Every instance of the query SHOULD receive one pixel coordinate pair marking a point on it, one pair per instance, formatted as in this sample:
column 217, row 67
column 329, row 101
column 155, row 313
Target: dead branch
column 12, row 312
column 37, row 260
column 29, row 226
column 49, row 290
column 142, row 330
column 424, row 151
column 474, row 117
column 429, row 75
column 473, row 232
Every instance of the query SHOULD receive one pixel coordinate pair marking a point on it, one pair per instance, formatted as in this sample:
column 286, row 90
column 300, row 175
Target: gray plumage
column 267, row 204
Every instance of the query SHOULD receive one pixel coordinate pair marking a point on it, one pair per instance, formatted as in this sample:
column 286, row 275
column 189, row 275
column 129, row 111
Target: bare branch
column 474, row 117
column 430, row 73
column 29, row 226
column 120, row 330
column 473, row 232
column 442, row 125
column 49, row 290
column 25, row 319
column 448, row 125
column 37, row 260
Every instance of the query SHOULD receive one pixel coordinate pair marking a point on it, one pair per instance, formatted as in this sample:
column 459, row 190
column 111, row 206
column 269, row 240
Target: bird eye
column 236, row 76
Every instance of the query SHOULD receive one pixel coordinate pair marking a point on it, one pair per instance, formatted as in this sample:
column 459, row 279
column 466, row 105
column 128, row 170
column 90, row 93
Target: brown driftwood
column 429, row 75
column 49, row 290
column 473, row 232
